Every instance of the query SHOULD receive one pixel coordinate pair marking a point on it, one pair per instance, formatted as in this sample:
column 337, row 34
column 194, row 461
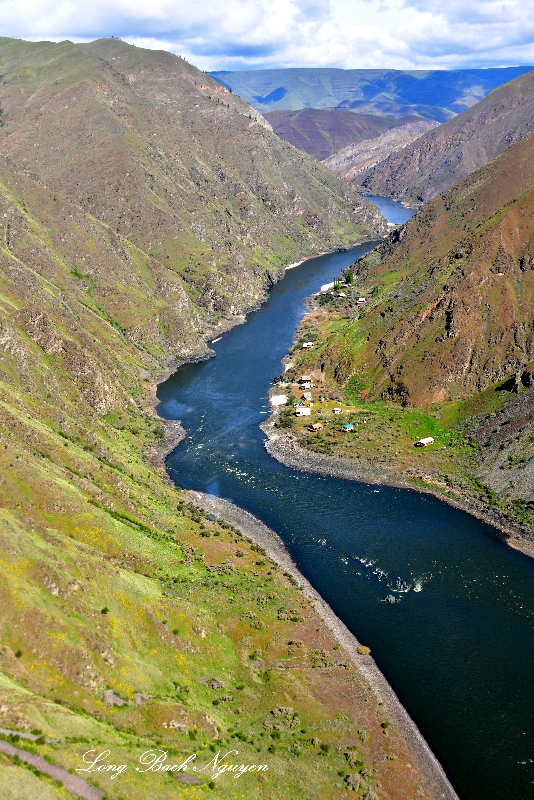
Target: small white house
column 302, row 411
column 305, row 382
column 425, row 442
column 307, row 344
column 337, row 410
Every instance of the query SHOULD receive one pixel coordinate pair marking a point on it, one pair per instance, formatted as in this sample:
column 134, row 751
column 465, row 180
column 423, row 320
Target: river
column 459, row 647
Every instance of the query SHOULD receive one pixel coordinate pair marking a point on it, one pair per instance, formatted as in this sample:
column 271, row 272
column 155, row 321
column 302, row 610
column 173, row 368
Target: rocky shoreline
column 436, row 782
column 283, row 447
column 174, row 433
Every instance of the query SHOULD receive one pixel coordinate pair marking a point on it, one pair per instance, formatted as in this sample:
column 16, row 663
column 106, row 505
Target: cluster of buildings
column 303, row 408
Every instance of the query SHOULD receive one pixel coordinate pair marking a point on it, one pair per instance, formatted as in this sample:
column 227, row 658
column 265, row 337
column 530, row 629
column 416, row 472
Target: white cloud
column 260, row 33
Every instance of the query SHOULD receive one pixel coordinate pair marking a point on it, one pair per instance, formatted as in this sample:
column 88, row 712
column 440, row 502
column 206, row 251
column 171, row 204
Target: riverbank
column 352, row 540
column 284, row 448
column 414, row 757
column 435, row 780
column 173, row 432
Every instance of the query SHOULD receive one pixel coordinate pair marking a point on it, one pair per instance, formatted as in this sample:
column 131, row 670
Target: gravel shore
column 436, row 783
column 283, row 447
column 174, row 434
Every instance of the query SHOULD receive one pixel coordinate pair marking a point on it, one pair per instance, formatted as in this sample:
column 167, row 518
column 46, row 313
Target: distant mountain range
column 433, row 94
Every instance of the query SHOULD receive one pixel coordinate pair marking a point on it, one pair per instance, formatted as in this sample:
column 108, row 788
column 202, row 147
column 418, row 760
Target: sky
column 260, row 34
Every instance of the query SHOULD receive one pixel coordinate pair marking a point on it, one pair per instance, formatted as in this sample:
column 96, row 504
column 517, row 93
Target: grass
column 384, row 432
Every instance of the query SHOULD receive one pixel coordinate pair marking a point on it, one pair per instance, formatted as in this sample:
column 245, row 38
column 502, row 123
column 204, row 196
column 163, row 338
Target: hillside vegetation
column 167, row 158
column 142, row 207
column 444, row 156
column 448, row 329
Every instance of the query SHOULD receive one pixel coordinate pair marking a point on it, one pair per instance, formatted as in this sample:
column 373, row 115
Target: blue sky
column 257, row 34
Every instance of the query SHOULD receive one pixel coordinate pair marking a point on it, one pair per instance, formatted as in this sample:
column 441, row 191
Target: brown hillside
column 351, row 161
column 446, row 155
column 443, row 348
column 454, row 311
column 322, row 132
column 168, row 158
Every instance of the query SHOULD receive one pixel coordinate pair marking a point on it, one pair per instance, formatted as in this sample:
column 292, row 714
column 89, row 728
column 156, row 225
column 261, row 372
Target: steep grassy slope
column 168, row 158
column 110, row 582
column 129, row 620
column 444, row 156
column 323, row 132
column 448, row 329
column 351, row 161
column 436, row 94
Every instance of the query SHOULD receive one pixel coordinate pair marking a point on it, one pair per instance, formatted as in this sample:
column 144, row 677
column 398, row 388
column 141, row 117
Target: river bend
column 459, row 647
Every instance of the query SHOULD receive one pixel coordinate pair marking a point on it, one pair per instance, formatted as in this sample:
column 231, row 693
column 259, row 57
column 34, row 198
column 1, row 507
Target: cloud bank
column 401, row 34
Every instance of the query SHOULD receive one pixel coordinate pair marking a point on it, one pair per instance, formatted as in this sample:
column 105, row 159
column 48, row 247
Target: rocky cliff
column 359, row 157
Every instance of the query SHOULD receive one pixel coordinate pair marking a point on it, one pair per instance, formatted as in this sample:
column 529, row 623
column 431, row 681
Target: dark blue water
column 459, row 648
column 393, row 211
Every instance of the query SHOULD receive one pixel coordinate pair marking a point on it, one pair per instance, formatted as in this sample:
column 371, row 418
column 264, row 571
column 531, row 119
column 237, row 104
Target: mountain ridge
column 357, row 158
column 323, row 133
column 433, row 94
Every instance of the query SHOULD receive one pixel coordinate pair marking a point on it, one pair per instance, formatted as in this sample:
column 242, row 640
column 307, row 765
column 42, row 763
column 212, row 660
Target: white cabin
column 424, row 442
